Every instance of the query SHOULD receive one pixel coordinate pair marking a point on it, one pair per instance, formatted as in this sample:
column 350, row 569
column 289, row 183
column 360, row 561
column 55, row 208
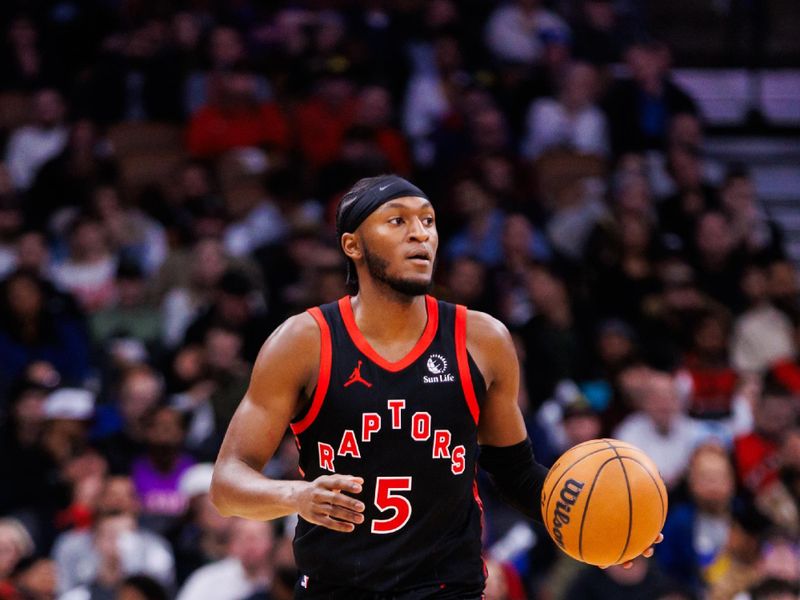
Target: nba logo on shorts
column 304, row 581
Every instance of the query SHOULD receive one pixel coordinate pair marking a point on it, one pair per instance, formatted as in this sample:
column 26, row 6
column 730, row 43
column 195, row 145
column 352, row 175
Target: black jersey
column 409, row 428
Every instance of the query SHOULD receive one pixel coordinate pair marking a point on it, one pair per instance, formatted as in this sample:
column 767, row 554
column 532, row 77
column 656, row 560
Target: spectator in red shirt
column 234, row 118
column 713, row 380
column 323, row 119
column 757, row 452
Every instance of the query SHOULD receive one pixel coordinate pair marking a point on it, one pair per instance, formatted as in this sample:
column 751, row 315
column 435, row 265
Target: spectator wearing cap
column 660, row 428
column 68, row 413
column 581, row 423
column 203, row 535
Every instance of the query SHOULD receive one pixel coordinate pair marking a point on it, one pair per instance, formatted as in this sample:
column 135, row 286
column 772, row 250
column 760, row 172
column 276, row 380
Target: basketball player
column 389, row 393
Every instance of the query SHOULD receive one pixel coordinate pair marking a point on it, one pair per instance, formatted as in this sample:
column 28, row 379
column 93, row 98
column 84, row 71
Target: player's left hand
column 647, row 553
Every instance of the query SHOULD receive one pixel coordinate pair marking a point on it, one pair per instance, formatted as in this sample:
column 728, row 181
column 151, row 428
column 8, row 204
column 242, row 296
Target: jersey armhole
column 324, row 375
column 464, row 373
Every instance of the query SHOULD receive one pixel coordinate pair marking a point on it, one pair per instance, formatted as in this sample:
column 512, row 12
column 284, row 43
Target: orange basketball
column 604, row 502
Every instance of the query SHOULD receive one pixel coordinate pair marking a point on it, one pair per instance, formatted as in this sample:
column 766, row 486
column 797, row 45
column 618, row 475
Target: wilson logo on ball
column 569, row 495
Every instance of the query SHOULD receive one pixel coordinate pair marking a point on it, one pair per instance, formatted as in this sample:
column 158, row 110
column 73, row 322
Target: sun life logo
column 437, row 365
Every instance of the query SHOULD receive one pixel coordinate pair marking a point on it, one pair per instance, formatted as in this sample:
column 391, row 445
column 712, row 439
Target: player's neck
column 388, row 316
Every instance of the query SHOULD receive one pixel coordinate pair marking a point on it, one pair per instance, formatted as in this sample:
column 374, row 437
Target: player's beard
column 379, row 270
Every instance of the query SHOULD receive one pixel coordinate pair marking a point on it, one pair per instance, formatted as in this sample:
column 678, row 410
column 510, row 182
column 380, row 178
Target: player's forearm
column 517, row 476
column 238, row 490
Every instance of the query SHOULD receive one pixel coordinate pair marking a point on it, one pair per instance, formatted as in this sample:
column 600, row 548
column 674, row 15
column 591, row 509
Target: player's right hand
column 323, row 502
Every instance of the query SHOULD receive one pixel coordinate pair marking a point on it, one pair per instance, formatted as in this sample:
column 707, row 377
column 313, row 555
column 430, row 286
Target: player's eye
column 428, row 221
column 396, row 220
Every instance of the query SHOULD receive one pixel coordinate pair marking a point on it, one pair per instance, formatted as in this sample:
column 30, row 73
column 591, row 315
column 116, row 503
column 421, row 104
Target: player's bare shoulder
column 490, row 344
column 289, row 358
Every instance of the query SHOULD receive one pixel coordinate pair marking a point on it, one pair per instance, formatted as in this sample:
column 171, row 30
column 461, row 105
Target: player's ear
column 351, row 246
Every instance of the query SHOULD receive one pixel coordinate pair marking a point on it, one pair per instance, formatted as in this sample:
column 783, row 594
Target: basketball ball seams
column 655, row 482
column 603, row 532
column 560, row 477
column 588, row 499
column 630, row 503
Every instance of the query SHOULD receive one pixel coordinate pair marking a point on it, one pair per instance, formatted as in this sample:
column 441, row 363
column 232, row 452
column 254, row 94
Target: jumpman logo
column 355, row 377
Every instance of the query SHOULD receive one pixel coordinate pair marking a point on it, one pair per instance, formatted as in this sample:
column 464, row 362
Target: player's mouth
column 420, row 257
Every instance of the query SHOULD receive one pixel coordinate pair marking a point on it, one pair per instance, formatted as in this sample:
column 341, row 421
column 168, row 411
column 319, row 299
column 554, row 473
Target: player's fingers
column 659, row 539
column 628, row 565
column 347, row 502
column 330, row 523
column 648, row 553
column 348, row 483
column 346, row 515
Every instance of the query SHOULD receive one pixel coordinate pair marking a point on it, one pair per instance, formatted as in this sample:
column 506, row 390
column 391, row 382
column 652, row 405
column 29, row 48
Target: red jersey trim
column 476, row 494
column 463, row 362
column 324, row 378
column 363, row 345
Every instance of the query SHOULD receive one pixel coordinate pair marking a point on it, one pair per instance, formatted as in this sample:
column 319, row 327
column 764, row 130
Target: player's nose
column 418, row 231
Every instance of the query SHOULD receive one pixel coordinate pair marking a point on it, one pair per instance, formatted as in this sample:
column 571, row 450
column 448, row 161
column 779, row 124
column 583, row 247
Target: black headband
column 355, row 211
column 379, row 193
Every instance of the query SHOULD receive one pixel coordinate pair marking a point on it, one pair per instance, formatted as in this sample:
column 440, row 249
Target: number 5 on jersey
column 387, row 499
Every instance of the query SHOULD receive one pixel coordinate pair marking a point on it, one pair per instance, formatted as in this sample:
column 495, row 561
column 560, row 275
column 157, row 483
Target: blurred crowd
column 169, row 173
